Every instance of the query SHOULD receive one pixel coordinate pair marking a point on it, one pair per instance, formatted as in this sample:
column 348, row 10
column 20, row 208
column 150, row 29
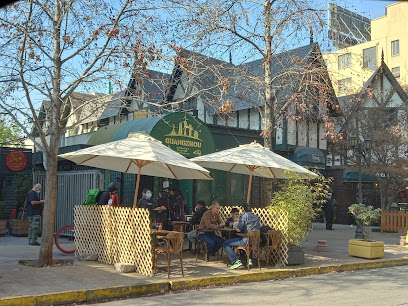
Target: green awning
column 137, row 125
column 104, row 134
column 352, row 176
column 311, row 157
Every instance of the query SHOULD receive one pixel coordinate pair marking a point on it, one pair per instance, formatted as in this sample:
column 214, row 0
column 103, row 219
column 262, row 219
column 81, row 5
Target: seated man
column 247, row 222
column 196, row 219
column 210, row 222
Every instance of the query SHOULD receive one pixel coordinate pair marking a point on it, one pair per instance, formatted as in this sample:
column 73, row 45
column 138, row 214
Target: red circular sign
column 16, row 161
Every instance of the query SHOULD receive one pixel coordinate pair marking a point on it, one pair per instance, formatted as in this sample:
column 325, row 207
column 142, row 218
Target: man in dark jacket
column 34, row 210
column 196, row 219
column 328, row 208
column 247, row 222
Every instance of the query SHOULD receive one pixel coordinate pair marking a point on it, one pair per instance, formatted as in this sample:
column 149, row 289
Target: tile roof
column 242, row 93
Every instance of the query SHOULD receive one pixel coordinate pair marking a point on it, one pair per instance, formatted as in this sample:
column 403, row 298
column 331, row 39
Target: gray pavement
column 16, row 280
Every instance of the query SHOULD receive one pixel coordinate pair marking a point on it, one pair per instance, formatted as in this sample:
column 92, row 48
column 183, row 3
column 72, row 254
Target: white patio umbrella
column 252, row 159
column 141, row 154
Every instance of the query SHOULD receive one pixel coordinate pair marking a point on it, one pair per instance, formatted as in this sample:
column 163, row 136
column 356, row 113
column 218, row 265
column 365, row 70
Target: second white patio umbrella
column 141, row 154
column 254, row 160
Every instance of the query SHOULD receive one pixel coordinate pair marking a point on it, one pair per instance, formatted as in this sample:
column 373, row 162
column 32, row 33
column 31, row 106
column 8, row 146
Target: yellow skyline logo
column 185, row 130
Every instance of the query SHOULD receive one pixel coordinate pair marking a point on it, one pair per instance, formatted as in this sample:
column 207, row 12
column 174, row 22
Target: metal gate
column 71, row 190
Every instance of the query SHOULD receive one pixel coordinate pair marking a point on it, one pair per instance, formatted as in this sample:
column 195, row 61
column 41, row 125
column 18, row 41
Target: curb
column 109, row 293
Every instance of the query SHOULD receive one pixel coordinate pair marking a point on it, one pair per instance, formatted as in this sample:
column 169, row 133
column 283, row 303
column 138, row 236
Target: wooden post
column 251, row 169
column 137, row 186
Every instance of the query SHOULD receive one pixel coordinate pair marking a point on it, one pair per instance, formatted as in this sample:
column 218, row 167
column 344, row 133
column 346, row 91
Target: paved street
column 385, row 286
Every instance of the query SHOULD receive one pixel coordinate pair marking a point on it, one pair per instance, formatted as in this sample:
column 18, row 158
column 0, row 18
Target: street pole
column 361, row 148
column 359, row 230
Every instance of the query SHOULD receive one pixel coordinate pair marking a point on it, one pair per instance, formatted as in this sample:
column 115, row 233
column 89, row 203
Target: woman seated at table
column 231, row 222
column 148, row 202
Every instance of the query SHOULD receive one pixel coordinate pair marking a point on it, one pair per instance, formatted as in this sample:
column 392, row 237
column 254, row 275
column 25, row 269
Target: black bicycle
column 65, row 239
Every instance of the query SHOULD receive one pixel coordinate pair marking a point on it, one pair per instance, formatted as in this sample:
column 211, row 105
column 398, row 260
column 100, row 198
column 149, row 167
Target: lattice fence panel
column 91, row 234
column 275, row 220
column 115, row 234
column 132, row 240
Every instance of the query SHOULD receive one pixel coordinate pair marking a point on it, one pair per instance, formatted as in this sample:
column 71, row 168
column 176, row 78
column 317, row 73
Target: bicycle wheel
column 65, row 239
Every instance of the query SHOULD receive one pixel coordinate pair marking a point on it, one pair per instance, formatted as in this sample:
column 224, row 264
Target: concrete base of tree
column 366, row 249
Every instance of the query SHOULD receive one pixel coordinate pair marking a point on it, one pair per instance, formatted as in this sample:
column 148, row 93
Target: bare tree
column 385, row 125
column 262, row 71
column 49, row 50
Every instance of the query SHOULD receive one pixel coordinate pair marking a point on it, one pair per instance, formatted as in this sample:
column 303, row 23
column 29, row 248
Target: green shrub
column 365, row 215
column 302, row 200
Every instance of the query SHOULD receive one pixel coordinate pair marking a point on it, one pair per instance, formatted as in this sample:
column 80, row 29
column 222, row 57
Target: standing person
column 34, row 210
column 147, row 201
column 196, row 219
column 210, row 222
column 176, row 202
column 108, row 197
column 328, row 208
column 162, row 215
column 247, row 222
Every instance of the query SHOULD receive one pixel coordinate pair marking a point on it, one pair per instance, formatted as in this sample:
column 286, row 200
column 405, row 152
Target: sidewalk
column 79, row 281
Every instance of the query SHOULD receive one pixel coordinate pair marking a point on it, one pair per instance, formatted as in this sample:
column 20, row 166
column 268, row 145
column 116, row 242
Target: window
column 370, row 58
column 395, row 47
column 344, row 60
column 344, row 85
column 396, row 72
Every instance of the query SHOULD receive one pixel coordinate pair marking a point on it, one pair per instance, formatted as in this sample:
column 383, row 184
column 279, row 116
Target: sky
column 368, row 8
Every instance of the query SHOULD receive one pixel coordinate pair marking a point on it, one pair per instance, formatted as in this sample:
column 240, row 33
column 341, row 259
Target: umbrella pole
column 137, row 186
column 249, row 184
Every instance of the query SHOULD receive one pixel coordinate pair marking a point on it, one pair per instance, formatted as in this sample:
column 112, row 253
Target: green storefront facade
column 191, row 137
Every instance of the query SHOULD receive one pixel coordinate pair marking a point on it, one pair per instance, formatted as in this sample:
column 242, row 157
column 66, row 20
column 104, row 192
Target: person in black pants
column 328, row 208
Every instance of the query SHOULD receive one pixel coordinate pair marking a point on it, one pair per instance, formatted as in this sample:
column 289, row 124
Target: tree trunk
column 51, row 162
column 269, row 122
column 47, row 240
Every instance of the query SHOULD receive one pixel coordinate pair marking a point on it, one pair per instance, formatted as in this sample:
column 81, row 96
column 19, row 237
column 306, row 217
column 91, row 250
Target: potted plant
column 19, row 226
column 302, row 200
column 365, row 215
column 3, row 220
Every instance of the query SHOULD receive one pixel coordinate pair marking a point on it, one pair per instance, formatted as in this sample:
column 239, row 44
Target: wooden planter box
column 366, row 249
column 3, row 227
column 18, row 227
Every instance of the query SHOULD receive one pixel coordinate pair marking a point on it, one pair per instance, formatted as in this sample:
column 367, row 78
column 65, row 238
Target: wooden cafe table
column 229, row 230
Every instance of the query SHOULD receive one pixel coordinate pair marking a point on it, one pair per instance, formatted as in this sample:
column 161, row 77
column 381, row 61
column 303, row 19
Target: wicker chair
column 253, row 239
column 273, row 243
column 174, row 246
column 200, row 244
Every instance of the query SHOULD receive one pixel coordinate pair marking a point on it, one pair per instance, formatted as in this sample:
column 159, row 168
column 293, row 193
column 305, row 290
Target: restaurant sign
column 16, row 161
column 184, row 134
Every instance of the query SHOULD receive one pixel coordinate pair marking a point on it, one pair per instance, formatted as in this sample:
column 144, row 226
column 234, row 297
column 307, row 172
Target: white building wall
column 313, row 133
column 279, row 132
column 291, row 132
column 322, row 138
column 302, row 133
column 254, row 119
column 243, row 119
column 232, row 120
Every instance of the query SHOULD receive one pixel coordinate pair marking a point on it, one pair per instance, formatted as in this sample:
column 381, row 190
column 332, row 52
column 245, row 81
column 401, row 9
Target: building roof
column 242, row 93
